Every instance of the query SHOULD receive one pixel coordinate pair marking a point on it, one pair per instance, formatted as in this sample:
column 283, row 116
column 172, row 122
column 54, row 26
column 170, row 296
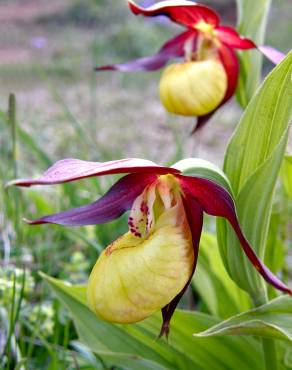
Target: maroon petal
column 183, row 12
column 230, row 37
column 72, row 169
column 216, row 201
column 231, row 66
column 112, row 205
column 173, row 48
column 194, row 213
column 272, row 54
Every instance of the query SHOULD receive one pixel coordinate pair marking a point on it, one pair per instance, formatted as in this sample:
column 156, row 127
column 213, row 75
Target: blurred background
column 47, row 54
column 48, row 50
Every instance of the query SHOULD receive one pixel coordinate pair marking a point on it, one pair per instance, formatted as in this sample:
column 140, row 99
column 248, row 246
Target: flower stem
column 270, row 354
column 268, row 345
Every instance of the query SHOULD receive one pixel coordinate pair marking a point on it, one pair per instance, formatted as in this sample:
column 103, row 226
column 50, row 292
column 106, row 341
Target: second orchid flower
column 208, row 74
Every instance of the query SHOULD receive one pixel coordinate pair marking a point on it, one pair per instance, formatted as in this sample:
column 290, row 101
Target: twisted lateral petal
column 72, row 169
column 183, row 12
column 216, row 201
column 194, row 212
column 230, row 37
column 112, row 205
column 173, row 48
column 274, row 55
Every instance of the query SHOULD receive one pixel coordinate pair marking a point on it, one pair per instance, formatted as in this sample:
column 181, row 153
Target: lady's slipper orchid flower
column 207, row 75
column 148, row 268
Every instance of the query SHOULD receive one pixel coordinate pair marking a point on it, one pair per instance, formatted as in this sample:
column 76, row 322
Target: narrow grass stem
column 11, row 323
column 13, row 126
column 16, row 198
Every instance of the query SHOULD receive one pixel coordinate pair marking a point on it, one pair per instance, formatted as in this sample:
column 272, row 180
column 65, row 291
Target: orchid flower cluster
column 207, row 75
column 149, row 267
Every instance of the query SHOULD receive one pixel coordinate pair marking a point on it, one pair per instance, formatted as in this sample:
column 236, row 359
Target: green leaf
column 287, row 355
column 252, row 162
column 286, row 174
column 109, row 341
column 136, row 346
column 252, row 22
column 214, row 284
column 275, row 248
column 271, row 320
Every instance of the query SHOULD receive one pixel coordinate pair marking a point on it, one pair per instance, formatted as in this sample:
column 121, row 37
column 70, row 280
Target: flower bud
column 136, row 276
column 193, row 88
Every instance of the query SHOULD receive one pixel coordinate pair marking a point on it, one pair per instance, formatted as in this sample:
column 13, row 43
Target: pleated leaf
column 271, row 320
column 214, row 284
column 252, row 21
column 252, row 163
column 286, row 174
column 136, row 346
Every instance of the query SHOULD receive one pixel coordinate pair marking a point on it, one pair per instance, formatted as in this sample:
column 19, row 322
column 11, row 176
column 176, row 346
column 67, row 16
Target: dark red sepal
column 216, row 201
column 110, row 206
column 186, row 13
column 231, row 65
column 202, row 120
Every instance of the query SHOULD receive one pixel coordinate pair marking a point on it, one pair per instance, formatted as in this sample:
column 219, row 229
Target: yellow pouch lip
column 135, row 277
column 193, row 88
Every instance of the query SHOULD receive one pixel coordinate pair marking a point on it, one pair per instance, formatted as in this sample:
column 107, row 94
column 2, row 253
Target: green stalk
column 66, row 337
column 270, row 353
column 268, row 345
column 13, row 126
column 12, row 121
column 7, row 349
